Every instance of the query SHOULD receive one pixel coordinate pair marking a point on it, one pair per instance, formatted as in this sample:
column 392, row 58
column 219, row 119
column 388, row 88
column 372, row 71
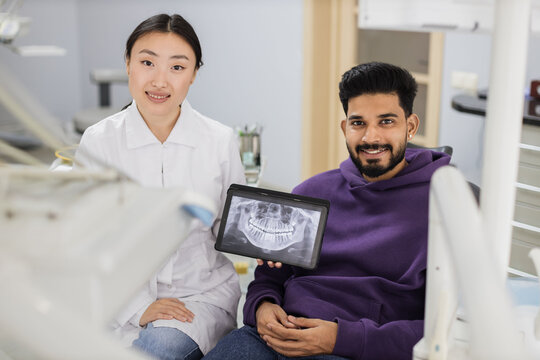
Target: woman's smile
column 157, row 97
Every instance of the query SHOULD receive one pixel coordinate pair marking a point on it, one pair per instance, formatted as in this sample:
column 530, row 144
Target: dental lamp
column 13, row 26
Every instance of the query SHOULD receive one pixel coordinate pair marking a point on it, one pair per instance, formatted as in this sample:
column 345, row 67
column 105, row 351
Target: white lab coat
column 202, row 155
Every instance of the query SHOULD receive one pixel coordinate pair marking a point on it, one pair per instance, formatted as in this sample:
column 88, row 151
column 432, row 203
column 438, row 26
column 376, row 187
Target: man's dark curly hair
column 377, row 77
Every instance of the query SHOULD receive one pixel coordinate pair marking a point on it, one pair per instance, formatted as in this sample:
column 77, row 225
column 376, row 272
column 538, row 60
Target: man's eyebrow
column 381, row 116
column 387, row 115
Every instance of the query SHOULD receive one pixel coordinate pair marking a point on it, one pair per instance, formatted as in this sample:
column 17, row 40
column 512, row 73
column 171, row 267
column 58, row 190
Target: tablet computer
column 273, row 225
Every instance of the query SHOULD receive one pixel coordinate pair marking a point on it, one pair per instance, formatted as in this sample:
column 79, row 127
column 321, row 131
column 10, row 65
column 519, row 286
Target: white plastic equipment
column 74, row 247
column 461, row 260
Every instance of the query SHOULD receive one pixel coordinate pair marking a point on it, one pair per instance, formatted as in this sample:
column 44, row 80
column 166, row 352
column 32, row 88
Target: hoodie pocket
column 305, row 297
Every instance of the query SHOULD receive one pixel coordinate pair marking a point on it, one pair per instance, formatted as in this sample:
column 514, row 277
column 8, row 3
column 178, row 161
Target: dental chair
column 448, row 150
column 444, row 148
column 103, row 78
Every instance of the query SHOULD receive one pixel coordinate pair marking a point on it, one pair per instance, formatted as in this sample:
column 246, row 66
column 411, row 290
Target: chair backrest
column 444, row 149
column 448, row 150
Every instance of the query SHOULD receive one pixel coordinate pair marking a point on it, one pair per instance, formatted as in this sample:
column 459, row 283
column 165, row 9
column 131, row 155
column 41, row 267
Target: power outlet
column 466, row 81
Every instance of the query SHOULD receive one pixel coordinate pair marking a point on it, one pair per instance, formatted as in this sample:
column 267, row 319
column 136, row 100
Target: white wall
column 252, row 50
column 464, row 132
column 533, row 59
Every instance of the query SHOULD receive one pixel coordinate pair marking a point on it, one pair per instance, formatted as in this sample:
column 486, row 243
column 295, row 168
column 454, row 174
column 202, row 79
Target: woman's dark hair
column 377, row 77
column 167, row 23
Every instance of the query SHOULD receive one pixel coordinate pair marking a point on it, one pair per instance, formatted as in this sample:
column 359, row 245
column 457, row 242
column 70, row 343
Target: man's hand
column 315, row 337
column 270, row 315
column 166, row 309
column 270, row 263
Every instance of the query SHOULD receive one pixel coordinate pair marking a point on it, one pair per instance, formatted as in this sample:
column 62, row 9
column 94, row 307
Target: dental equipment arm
column 458, row 245
column 19, row 101
column 534, row 254
column 19, row 155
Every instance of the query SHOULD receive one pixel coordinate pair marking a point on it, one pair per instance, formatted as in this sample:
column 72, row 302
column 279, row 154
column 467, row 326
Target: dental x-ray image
column 273, row 226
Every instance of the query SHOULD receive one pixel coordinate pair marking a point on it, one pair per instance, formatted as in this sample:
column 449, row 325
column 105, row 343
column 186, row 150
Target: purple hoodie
column 372, row 269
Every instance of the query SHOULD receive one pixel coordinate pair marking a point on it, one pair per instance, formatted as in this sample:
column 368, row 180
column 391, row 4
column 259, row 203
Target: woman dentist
column 161, row 141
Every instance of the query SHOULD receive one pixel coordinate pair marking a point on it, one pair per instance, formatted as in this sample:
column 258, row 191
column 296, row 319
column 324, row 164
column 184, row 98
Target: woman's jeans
column 165, row 343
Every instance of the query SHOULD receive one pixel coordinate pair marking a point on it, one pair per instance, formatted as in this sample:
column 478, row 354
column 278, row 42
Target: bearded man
column 365, row 300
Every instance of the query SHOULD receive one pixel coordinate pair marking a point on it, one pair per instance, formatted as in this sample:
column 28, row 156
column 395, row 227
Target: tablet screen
column 273, row 225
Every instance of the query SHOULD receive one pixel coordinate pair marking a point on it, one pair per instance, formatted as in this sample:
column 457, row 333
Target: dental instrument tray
column 273, row 225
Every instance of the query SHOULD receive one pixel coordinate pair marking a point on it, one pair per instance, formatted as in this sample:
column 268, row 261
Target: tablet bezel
column 277, row 197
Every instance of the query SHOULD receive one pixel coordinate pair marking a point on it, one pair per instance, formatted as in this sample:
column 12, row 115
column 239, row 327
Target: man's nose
column 371, row 135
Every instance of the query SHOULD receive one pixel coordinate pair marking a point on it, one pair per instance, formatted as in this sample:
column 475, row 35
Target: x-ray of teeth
column 272, row 228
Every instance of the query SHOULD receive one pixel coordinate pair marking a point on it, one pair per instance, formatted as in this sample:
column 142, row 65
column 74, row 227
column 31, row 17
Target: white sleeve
column 233, row 173
column 234, row 170
column 136, row 307
column 89, row 153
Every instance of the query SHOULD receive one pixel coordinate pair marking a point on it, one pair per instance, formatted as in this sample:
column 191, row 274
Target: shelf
column 477, row 106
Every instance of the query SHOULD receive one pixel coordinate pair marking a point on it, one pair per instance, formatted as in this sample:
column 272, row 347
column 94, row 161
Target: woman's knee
column 167, row 343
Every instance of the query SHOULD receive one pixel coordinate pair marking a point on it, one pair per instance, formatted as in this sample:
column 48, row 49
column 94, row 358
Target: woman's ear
column 194, row 76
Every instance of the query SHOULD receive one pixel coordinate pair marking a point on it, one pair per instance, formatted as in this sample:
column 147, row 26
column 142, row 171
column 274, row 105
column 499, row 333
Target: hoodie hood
column 422, row 163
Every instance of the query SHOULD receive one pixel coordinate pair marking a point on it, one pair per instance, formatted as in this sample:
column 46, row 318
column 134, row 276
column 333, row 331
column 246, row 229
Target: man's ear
column 413, row 122
column 127, row 67
column 344, row 126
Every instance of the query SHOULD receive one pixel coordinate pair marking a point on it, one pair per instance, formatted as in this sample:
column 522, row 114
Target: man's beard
column 372, row 169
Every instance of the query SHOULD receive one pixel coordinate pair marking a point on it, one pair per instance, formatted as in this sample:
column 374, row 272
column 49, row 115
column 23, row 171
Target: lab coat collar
column 185, row 131
column 138, row 134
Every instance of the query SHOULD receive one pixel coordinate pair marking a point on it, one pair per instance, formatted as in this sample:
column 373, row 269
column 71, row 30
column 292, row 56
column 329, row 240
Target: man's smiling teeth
column 157, row 96
column 374, row 151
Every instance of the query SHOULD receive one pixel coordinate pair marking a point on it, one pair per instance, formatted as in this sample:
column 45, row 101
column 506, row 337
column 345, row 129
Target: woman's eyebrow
column 179, row 57
column 151, row 53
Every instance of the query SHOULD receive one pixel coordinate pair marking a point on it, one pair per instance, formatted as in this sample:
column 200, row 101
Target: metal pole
column 503, row 124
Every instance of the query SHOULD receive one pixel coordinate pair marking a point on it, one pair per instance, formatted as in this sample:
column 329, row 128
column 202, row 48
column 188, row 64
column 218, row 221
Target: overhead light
column 39, row 50
column 12, row 26
column 9, row 28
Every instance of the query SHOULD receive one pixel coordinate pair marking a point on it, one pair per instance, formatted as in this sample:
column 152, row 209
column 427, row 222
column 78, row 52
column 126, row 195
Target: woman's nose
column 160, row 79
